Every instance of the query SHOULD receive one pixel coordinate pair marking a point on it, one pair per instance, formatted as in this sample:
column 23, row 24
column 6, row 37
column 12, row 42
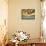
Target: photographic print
column 28, row 13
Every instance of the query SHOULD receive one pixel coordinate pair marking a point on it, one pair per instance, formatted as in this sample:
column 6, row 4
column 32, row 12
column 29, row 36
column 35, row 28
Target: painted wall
column 15, row 21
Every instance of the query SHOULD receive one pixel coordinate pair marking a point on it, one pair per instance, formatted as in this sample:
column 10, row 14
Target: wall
column 15, row 21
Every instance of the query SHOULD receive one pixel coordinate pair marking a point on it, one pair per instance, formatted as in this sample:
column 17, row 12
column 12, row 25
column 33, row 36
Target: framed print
column 28, row 14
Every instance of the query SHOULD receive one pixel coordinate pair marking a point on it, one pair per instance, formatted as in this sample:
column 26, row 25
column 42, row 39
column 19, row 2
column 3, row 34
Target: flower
column 22, row 36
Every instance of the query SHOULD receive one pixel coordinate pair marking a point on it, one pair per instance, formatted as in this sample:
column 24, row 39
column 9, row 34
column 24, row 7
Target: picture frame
column 28, row 14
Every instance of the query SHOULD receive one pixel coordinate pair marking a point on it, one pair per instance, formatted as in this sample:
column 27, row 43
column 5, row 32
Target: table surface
column 36, row 40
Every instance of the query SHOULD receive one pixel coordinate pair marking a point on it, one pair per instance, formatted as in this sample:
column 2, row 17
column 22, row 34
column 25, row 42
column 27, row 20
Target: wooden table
column 33, row 42
column 40, row 44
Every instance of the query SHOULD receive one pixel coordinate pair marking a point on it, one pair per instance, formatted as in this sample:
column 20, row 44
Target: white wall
column 15, row 21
